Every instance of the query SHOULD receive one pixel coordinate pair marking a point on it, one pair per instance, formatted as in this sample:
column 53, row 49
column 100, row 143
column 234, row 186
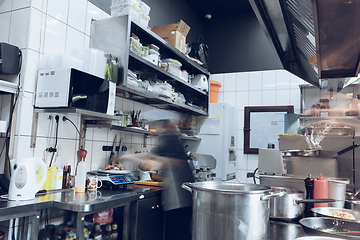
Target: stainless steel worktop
column 89, row 202
column 285, row 231
column 78, row 202
column 102, row 199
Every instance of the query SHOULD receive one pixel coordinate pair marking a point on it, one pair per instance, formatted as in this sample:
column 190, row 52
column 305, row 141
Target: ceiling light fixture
column 208, row 16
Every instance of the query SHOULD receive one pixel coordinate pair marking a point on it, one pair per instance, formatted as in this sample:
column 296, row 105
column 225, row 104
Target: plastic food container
column 121, row 9
column 153, row 57
column 184, row 75
column 163, row 89
column 144, row 20
column 137, row 2
column 145, row 8
column 151, row 53
column 173, row 67
column 135, row 46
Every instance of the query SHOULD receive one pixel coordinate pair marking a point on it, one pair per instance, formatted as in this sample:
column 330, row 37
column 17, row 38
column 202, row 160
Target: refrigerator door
column 218, row 138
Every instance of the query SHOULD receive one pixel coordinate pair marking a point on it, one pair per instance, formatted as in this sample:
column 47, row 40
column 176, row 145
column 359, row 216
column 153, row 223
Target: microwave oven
column 67, row 88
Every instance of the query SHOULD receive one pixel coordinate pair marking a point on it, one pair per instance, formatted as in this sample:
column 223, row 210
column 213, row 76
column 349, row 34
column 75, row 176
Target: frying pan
column 330, row 227
column 328, row 211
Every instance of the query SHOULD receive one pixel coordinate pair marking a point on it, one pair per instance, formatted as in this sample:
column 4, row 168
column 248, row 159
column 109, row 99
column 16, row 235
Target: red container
column 321, row 190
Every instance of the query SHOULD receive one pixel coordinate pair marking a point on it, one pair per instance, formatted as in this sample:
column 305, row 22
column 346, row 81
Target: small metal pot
column 289, row 207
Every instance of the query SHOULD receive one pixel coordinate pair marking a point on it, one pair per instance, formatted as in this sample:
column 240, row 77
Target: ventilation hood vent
column 327, row 31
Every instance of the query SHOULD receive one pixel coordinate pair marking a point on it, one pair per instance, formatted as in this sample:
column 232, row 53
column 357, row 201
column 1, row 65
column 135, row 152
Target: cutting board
column 150, row 183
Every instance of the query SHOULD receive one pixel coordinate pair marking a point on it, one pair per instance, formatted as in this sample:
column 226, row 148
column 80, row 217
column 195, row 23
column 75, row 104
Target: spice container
column 324, row 107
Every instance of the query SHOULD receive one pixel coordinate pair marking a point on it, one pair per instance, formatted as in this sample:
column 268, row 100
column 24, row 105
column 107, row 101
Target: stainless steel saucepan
column 289, row 207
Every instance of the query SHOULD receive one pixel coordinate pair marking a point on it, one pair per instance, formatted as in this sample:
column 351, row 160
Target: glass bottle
column 107, row 233
column 114, row 231
column 96, row 232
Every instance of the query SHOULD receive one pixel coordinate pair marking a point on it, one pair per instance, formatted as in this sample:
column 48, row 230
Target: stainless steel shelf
column 137, row 130
column 8, row 87
column 123, row 129
column 144, row 33
column 87, row 115
column 146, row 97
column 171, row 76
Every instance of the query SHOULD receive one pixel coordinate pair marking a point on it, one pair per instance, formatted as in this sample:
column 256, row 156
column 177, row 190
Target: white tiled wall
column 45, row 27
column 261, row 88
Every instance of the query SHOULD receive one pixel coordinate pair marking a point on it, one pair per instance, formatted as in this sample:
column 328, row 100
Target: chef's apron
column 176, row 201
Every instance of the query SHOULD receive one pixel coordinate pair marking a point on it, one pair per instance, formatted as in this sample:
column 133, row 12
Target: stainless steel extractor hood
column 317, row 40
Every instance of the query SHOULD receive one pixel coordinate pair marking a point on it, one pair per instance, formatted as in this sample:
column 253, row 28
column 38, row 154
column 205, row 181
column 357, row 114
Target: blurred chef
column 170, row 158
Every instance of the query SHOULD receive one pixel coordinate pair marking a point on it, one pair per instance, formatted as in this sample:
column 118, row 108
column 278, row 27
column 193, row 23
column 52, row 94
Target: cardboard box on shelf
column 175, row 34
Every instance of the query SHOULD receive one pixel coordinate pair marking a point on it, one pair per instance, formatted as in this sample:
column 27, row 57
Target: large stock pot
column 229, row 210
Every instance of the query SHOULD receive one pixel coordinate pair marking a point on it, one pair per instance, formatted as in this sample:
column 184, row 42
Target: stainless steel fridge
column 218, row 134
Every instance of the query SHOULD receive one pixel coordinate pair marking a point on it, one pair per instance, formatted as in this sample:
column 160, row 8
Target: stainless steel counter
column 285, row 231
column 80, row 203
column 88, row 203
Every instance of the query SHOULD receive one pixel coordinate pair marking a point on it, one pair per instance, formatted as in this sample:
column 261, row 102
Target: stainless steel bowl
column 317, row 238
column 329, row 211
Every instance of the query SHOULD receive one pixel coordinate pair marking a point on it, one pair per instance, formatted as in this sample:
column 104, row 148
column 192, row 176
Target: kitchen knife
column 120, row 145
column 113, row 150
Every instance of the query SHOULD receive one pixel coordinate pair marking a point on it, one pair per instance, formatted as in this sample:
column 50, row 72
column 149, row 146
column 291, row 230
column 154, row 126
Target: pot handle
column 187, row 186
column 272, row 195
column 323, row 200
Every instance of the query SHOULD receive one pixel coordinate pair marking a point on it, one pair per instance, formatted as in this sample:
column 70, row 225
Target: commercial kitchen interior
column 241, row 59
column 249, row 71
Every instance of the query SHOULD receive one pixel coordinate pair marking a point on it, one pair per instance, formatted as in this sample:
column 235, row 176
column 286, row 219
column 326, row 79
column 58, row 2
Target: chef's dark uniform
column 176, row 202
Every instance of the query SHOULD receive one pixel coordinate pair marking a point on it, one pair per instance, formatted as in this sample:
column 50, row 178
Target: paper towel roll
column 3, row 126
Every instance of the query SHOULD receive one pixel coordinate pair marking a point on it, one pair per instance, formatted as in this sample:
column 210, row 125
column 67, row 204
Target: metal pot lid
column 230, row 187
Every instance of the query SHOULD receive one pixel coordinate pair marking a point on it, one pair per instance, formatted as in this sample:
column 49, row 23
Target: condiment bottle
column 114, row 231
column 47, row 184
column 320, row 190
column 68, row 177
column 53, row 172
column 80, row 177
column 59, row 178
column 309, row 185
column 107, row 233
column 96, row 233
column 64, row 180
